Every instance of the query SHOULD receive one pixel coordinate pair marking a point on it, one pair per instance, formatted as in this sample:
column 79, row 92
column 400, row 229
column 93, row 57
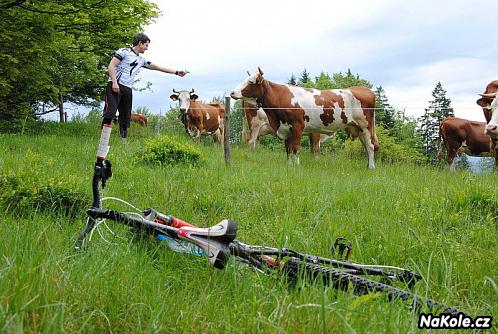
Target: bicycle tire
column 342, row 280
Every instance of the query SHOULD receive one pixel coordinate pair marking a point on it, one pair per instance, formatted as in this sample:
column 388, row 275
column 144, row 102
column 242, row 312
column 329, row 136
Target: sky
column 404, row 46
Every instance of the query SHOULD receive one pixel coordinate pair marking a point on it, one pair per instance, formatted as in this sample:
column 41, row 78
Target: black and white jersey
column 131, row 63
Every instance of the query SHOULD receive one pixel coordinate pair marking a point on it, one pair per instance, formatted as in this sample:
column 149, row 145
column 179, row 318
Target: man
column 123, row 67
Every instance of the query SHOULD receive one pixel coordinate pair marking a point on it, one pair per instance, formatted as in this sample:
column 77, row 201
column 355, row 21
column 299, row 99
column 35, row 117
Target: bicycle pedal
column 340, row 245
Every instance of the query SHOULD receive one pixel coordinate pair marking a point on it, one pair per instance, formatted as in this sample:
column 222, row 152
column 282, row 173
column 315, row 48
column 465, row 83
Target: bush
column 166, row 150
column 22, row 197
column 390, row 151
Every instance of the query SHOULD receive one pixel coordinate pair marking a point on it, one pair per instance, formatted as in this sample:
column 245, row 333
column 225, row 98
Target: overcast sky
column 404, row 46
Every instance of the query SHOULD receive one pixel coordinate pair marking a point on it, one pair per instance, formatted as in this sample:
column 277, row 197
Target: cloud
column 407, row 47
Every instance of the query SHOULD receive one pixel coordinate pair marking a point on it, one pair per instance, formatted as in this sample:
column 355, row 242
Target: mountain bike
column 218, row 244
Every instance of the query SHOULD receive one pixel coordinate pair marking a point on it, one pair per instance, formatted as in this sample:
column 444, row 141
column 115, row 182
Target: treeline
column 58, row 51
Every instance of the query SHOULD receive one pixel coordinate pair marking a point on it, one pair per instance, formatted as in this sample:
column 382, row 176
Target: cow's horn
column 489, row 95
column 174, row 91
column 249, row 74
column 192, row 91
column 260, row 71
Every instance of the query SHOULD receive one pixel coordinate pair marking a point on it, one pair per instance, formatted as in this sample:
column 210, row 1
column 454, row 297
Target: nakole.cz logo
column 453, row 321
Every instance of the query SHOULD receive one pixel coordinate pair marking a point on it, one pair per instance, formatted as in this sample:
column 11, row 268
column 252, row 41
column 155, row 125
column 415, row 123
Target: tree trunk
column 61, row 104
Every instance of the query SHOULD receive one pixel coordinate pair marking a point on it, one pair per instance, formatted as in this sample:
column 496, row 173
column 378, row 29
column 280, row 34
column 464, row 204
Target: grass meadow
column 440, row 224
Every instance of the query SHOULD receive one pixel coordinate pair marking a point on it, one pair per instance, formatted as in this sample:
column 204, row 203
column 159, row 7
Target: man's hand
column 115, row 88
column 182, row 73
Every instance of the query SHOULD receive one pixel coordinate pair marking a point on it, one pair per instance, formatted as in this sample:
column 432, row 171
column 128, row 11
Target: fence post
column 226, row 136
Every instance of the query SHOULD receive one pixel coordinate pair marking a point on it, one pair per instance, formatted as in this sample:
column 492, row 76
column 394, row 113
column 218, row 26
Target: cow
column 257, row 122
column 463, row 136
column 293, row 111
column 489, row 104
column 259, row 126
column 200, row 118
column 139, row 118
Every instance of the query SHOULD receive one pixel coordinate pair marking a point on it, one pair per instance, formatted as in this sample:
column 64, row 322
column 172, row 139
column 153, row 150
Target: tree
column 324, row 81
column 304, row 78
column 292, row 80
column 384, row 113
column 439, row 108
column 349, row 80
column 59, row 50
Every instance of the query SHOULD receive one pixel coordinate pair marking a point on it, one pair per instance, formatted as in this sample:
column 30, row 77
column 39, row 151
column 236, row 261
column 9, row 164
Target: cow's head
column 489, row 102
column 184, row 96
column 251, row 87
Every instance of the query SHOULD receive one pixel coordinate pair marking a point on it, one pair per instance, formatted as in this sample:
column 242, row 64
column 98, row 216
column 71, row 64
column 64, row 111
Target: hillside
column 440, row 224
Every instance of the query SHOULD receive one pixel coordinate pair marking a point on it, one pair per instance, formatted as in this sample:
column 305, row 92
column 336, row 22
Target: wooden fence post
column 226, row 136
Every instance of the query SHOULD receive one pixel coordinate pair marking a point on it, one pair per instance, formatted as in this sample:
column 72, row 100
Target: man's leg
column 112, row 101
column 124, row 107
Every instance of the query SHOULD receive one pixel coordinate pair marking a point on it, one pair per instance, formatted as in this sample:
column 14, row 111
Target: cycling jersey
column 131, row 63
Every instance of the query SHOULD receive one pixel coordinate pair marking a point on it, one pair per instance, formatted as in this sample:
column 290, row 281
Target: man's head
column 141, row 42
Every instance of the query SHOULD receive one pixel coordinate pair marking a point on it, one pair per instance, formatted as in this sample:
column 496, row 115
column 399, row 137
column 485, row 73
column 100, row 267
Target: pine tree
column 439, row 108
column 384, row 113
column 292, row 80
column 304, row 78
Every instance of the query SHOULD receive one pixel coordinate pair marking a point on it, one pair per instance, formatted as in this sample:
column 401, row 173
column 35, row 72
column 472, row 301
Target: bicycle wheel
column 342, row 280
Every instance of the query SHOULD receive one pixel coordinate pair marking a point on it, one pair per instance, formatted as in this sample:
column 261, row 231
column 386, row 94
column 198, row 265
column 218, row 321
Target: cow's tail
column 375, row 141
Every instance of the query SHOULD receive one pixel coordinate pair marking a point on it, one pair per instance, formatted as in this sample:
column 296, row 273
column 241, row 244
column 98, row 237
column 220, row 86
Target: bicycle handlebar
column 214, row 240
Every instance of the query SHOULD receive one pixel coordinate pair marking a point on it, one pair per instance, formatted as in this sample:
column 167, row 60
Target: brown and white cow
column 259, row 126
column 139, row 118
column 257, row 121
column 200, row 118
column 489, row 104
column 294, row 111
column 463, row 136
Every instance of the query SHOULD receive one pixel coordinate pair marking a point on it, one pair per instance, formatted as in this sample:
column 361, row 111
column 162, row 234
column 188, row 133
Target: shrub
column 166, row 150
column 22, row 197
column 390, row 151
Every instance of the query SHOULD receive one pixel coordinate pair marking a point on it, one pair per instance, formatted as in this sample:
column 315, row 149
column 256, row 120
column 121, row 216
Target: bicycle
column 218, row 243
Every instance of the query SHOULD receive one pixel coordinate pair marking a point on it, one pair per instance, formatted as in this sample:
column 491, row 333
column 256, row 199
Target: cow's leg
column 496, row 158
column 450, row 158
column 314, row 143
column 288, row 150
column 216, row 136
column 220, row 134
column 365, row 138
column 197, row 135
column 254, row 134
column 295, row 142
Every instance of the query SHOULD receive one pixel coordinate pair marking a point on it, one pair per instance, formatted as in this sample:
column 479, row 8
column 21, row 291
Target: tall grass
column 440, row 224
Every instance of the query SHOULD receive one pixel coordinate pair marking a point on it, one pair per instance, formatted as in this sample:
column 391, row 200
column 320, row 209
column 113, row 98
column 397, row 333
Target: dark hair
column 141, row 37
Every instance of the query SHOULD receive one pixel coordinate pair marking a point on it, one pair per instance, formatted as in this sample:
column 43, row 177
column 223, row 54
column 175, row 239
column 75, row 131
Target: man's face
column 142, row 47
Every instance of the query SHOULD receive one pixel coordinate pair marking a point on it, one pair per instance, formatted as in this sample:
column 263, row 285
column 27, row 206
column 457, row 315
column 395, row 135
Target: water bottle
column 181, row 246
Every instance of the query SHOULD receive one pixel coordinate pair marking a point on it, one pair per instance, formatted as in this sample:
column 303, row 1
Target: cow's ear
column 174, row 97
column 484, row 102
column 193, row 97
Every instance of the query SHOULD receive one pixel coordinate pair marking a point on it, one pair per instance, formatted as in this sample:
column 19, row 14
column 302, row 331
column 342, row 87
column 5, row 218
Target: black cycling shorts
column 121, row 102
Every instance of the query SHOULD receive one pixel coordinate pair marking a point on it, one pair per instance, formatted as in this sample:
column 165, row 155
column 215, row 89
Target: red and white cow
column 489, row 104
column 139, row 118
column 259, row 126
column 257, row 122
column 294, row 111
column 463, row 136
column 200, row 118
